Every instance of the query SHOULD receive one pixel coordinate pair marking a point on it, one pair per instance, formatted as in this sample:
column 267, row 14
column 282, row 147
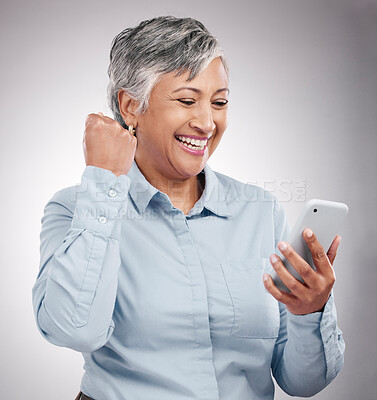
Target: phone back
column 324, row 218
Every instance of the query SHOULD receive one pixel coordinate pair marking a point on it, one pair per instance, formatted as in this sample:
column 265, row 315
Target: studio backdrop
column 303, row 118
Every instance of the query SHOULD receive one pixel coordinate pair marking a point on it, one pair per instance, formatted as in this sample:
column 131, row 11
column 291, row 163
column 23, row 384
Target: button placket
column 199, row 300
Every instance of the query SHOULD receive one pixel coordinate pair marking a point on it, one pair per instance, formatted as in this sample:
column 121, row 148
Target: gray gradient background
column 303, row 108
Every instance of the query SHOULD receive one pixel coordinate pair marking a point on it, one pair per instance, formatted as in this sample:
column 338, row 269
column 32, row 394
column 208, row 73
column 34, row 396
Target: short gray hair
column 140, row 56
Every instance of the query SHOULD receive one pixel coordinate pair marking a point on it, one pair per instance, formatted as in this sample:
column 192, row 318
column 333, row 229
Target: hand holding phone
column 324, row 218
column 306, row 255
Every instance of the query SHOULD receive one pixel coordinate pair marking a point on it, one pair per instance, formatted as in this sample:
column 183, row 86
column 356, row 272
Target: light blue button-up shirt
column 167, row 306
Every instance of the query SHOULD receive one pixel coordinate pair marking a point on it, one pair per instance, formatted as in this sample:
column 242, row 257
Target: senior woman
column 155, row 267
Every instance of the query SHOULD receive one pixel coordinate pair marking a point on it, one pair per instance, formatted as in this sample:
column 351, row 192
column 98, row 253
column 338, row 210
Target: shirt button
column 112, row 193
column 102, row 219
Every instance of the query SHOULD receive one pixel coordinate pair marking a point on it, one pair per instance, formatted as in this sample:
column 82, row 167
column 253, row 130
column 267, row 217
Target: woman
column 155, row 268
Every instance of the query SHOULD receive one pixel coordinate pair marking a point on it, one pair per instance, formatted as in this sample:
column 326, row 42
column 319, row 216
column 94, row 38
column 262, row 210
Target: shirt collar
column 213, row 196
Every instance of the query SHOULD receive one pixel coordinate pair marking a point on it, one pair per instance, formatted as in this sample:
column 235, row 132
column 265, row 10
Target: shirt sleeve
column 75, row 290
column 309, row 351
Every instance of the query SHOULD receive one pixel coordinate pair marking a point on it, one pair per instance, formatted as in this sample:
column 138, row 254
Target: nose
column 203, row 120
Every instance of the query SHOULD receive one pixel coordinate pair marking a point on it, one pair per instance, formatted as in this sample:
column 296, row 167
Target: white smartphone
column 324, row 218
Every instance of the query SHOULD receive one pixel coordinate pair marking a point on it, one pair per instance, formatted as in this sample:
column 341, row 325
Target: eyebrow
column 199, row 91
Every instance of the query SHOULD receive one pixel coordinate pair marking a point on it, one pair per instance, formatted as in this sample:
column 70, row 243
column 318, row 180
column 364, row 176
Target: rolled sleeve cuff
column 313, row 325
column 306, row 329
column 332, row 339
column 323, row 326
column 101, row 201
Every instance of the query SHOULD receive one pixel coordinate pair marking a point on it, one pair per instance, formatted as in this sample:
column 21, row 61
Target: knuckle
column 91, row 117
column 93, row 121
column 293, row 305
column 332, row 279
column 278, row 295
column 305, row 272
column 317, row 284
column 319, row 254
column 325, row 284
column 307, row 299
column 296, row 302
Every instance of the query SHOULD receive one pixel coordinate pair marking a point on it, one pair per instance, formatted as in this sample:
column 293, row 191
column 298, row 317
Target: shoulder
column 254, row 208
column 240, row 195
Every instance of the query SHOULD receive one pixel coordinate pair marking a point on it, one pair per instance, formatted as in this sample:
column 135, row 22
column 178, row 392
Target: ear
column 127, row 107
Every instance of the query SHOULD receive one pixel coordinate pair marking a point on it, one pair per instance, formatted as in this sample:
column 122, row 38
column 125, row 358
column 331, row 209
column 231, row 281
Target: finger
column 319, row 255
column 100, row 114
column 90, row 118
column 293, row 284
column 279, row 295
column 298, row 263
column 331, row 253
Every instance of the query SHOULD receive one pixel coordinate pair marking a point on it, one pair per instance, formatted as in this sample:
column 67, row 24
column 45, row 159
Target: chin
column 191, row 169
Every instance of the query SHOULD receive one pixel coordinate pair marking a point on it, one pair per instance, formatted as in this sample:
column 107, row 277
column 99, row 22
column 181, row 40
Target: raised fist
column 108, row 145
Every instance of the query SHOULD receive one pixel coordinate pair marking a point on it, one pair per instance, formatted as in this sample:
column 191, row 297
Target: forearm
column 75, row 293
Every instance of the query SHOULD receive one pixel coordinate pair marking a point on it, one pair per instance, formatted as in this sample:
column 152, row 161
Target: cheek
column 220, row 118
column 165, row 121
column 215, row 142
column 152, row 126
column 221, row 124
column 225, row 120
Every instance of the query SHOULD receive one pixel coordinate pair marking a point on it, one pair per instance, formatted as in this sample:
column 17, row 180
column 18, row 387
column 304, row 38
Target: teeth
column 195, row 142
column 193, row 147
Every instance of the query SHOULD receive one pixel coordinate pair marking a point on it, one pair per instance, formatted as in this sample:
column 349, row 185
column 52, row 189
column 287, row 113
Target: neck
column 183, row 193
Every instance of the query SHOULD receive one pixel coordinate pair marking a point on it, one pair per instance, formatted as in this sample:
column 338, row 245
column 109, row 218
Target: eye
column 220, row 103
column 186, row 101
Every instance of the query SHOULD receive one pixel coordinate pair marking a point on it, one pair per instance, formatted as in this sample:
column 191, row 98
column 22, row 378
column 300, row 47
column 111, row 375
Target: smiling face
column 182, row 112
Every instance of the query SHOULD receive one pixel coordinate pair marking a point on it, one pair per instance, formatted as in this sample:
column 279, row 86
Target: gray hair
column 140, row 56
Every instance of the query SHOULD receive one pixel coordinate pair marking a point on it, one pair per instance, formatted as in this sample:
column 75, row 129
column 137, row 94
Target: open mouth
column 193, row 144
